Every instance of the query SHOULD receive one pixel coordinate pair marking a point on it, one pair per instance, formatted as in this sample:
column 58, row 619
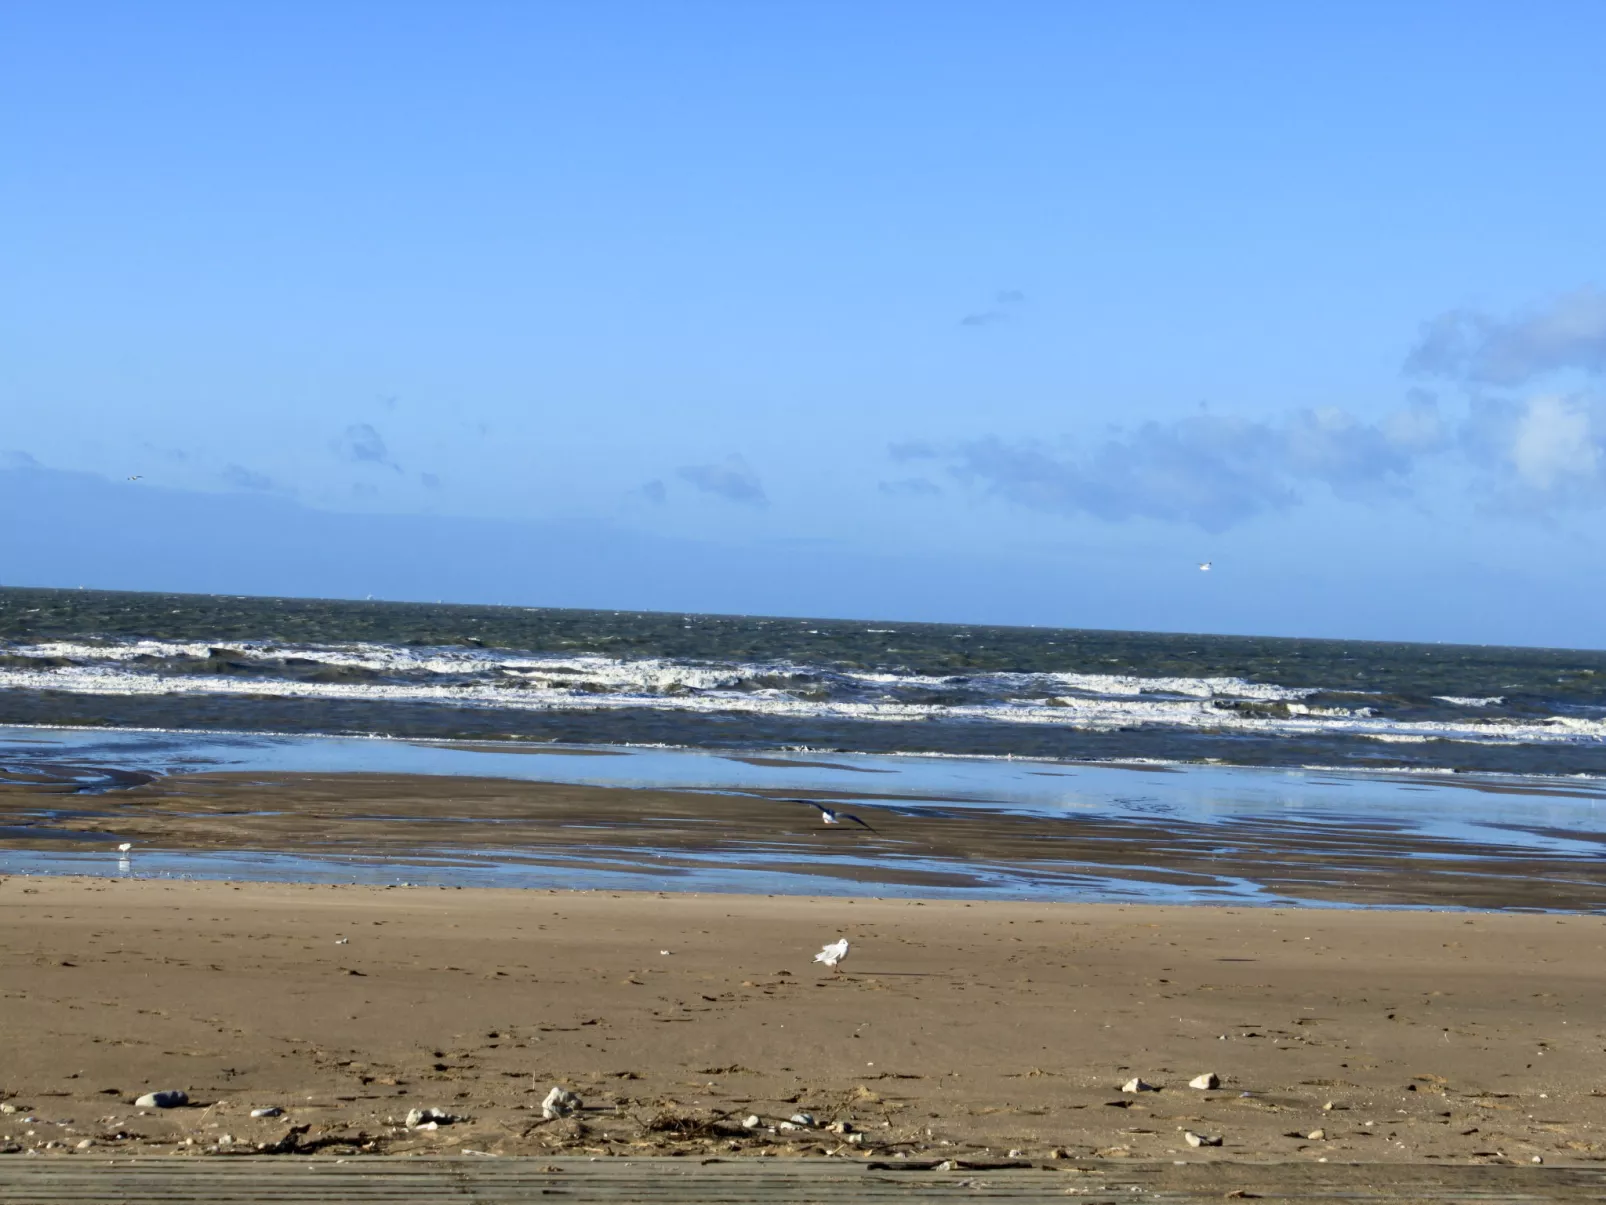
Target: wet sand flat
column 953, row 1030
column 569, row 835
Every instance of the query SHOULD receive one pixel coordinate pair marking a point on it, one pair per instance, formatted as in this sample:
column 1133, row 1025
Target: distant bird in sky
column 832, row 816
column 834, row 953
column 137, row 477
column 1204, row 566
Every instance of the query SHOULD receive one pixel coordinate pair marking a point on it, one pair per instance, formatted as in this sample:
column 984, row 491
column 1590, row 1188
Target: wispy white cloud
column 910, row 487
column 1210, row 470
column 1471, row 347
column 1522, row 447
column 1005, row 303
column 243, row 478
column 730, row 479
column 1538, row 453
column 361, row 443
column 1537, row 446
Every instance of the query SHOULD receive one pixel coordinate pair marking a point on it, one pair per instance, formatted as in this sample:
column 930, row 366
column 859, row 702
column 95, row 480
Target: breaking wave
column 499, row 679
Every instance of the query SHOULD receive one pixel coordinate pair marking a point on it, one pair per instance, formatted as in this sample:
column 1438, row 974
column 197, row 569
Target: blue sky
column 1011, row 312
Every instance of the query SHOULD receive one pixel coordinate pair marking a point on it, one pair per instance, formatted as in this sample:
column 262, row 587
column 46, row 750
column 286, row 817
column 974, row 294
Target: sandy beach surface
column 954, row 1029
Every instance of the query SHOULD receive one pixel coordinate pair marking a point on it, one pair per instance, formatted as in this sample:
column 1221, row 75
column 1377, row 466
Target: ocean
column 449, row 672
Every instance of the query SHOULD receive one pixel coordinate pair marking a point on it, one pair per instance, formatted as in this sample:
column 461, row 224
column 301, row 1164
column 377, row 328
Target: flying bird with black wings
column 832, row 816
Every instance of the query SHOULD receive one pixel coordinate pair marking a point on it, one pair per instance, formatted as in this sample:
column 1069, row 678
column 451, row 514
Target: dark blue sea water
column 708, row 681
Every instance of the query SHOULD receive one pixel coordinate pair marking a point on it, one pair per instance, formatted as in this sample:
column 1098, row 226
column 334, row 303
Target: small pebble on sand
column 170, row 1099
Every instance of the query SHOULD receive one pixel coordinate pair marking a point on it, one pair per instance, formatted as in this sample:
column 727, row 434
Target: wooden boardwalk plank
column 490, row 1181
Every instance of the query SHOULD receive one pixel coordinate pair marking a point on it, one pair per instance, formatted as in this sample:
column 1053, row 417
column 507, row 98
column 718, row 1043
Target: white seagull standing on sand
column 831, row 815
column 833, row 953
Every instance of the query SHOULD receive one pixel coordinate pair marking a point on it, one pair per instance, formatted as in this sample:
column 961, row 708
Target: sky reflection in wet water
column 1555, row 817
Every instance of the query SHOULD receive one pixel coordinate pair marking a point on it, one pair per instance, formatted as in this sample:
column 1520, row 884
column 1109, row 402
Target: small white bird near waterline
column 833, row 953
column 832, row 816
column 125, row 847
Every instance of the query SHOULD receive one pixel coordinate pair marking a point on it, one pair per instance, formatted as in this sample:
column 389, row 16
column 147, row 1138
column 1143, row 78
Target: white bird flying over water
column 831, row 815
column 834, row 953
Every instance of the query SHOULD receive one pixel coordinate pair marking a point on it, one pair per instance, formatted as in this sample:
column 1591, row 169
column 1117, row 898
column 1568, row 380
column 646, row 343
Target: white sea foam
column 1461, row 701
column 650, row 675
column 546, row 682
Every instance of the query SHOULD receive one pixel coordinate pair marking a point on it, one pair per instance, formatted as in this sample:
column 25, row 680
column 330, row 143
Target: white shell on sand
column 1208, row 1080
column 1137, row 1085
column 559, row 1102
column 1199, row 1139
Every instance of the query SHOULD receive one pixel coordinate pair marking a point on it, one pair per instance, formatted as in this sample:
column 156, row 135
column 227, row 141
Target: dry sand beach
column 1429, row 1028
column 953, row 1029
